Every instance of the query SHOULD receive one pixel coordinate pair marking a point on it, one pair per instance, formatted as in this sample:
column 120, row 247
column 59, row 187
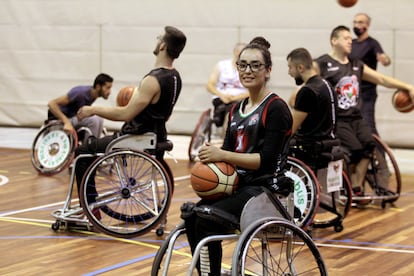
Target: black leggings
column 92, row 146
column 198, row 228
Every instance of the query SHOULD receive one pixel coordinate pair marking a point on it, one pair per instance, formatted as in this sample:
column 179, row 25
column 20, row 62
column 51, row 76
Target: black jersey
column 346, row 80
column 366, row 51
column 264, row 130
column 154, row 116
column 316, row 97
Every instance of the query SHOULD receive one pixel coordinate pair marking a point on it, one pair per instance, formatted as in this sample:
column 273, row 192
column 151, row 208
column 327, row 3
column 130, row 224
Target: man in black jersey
column 151, row 103
column 369, row 50
column 314, row 106
column 345, row 75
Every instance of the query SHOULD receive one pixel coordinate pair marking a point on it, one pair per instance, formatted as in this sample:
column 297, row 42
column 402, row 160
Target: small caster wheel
column 55, row 226
column 159, row 232
column 338, row 228
column 383, row 204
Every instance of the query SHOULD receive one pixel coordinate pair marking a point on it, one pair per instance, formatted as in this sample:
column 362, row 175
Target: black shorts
column 356, row 136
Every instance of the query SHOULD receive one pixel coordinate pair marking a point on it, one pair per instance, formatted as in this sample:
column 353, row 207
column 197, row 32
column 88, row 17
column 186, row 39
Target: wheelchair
column 334, row 201
column 53, row 149
column 201, row 134
column 383, row 178
column 306, row 191
column 124, row 193
column 269, row 244
column 202, row 131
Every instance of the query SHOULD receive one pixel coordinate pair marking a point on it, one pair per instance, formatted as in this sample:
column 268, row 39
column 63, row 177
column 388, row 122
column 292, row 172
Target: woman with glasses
column 255, row 142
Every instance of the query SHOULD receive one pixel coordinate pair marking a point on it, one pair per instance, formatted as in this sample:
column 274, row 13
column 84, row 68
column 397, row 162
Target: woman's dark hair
column 175, row 40
column 263, row 46
column 101, row 79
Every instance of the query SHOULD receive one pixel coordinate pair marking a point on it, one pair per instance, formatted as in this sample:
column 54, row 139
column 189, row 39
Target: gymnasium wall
column 49, row 46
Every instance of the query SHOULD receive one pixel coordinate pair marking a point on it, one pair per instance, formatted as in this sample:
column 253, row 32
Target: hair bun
column 260, row 40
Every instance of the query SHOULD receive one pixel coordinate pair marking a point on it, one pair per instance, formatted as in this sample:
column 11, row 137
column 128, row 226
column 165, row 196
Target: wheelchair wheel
column 306, row 191
column 125, row 193
column 174, row 253
column 383, row 175
column 52, row 149
column 272, row 246
column 333, row 207
column 201, row 134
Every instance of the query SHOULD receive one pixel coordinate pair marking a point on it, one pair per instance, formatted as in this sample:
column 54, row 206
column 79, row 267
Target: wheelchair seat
column 317, row 154
column 143, row 142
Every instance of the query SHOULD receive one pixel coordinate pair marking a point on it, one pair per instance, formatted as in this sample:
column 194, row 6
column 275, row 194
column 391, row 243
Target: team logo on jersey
column 347, row 90
column 241, row 141
column 254, row 119
column 330, row 68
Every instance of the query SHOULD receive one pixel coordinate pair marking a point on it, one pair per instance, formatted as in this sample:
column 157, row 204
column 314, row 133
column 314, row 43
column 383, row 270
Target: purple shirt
column 79, row 96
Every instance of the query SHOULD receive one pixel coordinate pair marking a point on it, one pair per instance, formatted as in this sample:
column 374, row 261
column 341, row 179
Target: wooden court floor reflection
column 374, row 241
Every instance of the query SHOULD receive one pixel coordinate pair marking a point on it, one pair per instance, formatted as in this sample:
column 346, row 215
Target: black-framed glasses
column 255, row 66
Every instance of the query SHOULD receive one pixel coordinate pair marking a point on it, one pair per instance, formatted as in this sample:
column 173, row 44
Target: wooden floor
column 374, row 241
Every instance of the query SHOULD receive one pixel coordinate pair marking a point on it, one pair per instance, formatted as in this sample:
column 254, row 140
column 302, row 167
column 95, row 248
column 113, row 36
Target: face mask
column 299, row 80
column 359, row 31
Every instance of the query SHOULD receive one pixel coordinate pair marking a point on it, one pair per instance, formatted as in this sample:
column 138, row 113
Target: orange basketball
column 214, row 180
column 347, row 3
column 124, row 95
column 402, row 102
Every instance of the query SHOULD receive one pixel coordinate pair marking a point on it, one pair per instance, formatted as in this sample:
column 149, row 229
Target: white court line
column 365, row 248
column 181, row 178
column 31, row 209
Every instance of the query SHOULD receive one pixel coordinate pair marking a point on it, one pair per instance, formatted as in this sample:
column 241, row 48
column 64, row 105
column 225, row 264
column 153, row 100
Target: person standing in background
column 369, row 50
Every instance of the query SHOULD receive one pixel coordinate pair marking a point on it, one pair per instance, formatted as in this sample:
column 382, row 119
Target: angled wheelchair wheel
column 383, row 175
column 125, row 193
column 201, row 134
column 272, row 246
column 306, row 191
column 334, row 207
column 53, row 149
column 174, row 253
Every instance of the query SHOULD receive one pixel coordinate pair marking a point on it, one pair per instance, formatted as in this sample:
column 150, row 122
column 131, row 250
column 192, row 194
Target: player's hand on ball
column 209, row 153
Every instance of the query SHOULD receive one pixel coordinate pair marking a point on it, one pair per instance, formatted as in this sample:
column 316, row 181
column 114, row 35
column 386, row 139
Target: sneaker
column 357, row 192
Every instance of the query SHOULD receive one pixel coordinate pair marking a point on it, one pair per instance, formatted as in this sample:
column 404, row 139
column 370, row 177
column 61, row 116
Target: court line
column 390, row 250
column 32, row 209
column 176, row 179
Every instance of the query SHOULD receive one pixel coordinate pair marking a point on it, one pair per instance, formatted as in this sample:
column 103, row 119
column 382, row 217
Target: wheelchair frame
column 379, row 169
column 125, row 192
column 277, row 247
column 201, row 134
column 333, row 207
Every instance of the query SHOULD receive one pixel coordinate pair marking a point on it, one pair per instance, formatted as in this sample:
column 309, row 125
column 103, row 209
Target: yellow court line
column 22, row 221
column 25, row 173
